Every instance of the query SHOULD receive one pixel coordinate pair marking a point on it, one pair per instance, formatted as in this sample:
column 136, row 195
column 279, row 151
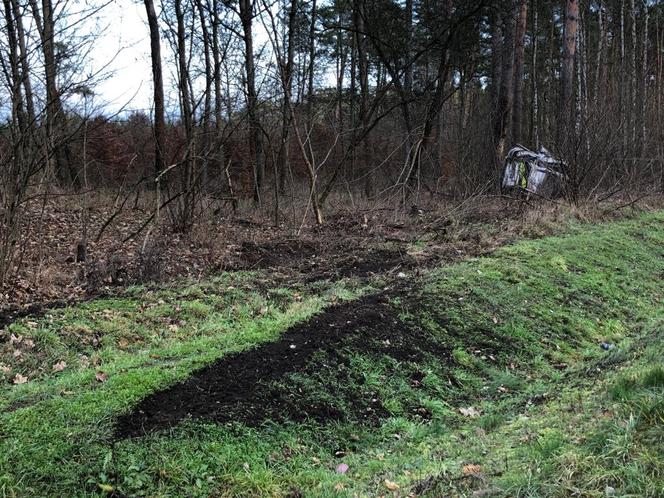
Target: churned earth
column 533, row 371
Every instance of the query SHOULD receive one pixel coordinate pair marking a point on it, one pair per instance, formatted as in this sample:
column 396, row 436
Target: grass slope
column 505, row 390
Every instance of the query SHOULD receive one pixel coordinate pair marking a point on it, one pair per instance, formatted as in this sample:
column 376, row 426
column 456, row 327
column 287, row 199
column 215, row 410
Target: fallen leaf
column 471, row 469
column 59, row 366
column 342, row 468
column 20, row 379
column 471, row 412
column 106, row 488
column 392, row 486
column 340, row 486
column 5, row 369
column 101, row 376
column 29, row 343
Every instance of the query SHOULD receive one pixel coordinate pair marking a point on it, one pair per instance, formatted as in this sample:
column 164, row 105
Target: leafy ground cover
column 536, row 371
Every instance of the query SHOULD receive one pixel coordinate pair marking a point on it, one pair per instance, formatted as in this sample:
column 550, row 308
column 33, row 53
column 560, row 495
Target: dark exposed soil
column 268, row 383
column 275, row 254
column 316, row 261
column 375, row 262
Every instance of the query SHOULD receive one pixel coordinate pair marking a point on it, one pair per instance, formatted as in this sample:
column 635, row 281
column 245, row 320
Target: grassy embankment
column 505, row 390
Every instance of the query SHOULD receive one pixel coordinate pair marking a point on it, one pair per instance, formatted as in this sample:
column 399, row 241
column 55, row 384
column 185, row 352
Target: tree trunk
column 18, row 110
column 186, row 111
column 496, row 57
column 158, row 87
column 286, row 71
column 312, row 61
column 209, row 79
column 503, row 112
column 363, row 78
column 600, row 52
column 519, row 54
column 408, row 71
column 644, row 79
column 534, row 80
column 255, row 133
column 567, row 70
column 56, row 122
column 633, row 79
column 25, row 66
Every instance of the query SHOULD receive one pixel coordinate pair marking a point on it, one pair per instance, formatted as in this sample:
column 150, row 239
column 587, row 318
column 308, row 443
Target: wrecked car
column 530, row 172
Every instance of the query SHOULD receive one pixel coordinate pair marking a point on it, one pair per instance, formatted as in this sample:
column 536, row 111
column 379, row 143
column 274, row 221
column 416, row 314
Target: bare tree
column 158, row 87
column 519, row 54
column 56, row 121
column 255, row 132
column 567, row 70
column 505, row 95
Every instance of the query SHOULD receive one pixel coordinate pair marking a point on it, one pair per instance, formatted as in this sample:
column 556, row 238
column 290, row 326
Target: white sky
column 123, row 50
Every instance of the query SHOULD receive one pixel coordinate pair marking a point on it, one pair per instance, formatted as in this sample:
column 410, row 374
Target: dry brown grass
column 434, row 231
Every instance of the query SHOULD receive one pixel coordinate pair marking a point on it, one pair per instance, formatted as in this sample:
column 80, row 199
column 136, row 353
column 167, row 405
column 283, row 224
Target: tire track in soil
column 241, row 387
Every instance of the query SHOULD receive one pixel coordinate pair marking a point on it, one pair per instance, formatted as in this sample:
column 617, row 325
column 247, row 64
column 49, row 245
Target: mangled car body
column 537, row 173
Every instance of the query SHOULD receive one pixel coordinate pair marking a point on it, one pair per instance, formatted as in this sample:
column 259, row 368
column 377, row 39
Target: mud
column 269, row 383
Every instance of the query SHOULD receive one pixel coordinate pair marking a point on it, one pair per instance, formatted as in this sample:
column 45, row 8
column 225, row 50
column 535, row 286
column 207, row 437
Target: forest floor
column 535, row 370
column 362, row 242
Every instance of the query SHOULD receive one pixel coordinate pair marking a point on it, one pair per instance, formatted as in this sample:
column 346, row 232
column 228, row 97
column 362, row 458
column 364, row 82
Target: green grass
column 512, row 339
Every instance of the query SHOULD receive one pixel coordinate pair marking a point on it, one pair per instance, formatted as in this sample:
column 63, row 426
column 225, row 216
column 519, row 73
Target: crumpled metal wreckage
column 531, row 172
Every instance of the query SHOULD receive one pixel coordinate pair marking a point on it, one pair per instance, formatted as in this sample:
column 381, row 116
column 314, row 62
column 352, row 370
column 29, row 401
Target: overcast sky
column 124, row 51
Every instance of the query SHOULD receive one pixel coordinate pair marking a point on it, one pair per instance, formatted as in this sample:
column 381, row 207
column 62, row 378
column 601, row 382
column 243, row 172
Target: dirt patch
column 276, row 254
column 375, row 262
column 314, row 260
column 352, row 243
column 271, row 382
